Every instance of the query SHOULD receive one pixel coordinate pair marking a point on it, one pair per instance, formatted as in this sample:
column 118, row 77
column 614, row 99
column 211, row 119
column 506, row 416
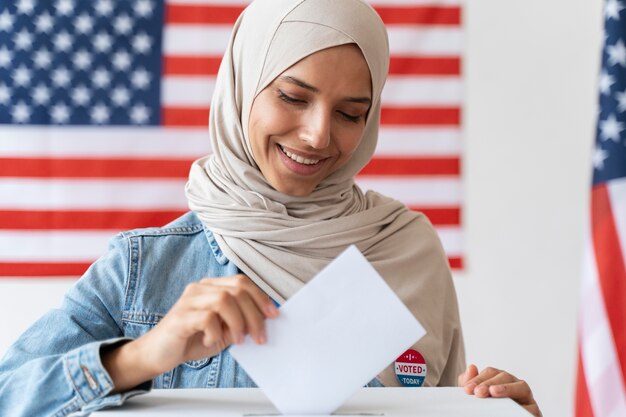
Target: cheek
column 348, row 144
column 268, row 121
column 279, row 120
column 262, row 124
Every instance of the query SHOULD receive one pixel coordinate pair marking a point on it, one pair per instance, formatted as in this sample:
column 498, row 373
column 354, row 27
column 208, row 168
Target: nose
column 316, row 129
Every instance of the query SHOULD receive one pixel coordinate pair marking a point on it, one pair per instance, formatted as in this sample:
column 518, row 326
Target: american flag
column 602, row 320
column 104, row 104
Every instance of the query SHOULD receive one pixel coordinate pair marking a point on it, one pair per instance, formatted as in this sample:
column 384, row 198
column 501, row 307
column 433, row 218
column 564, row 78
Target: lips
column 299, row 158
column 299, row 164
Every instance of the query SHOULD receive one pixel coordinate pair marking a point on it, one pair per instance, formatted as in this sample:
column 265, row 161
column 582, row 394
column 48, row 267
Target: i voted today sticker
column 410, row 368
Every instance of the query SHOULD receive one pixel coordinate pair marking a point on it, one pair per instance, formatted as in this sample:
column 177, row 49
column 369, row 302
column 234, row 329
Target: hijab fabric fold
column 282, row 241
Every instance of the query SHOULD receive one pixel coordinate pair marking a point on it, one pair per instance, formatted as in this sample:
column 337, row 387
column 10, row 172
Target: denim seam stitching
column 132, row 273
column 141, row 318
column 181, row 230
column 168, row 378
column 215, row 248
column 68, row 375
column 67, row 408
column 137, row 270
column 214, row 371
column 127, row 278
column 137, row 321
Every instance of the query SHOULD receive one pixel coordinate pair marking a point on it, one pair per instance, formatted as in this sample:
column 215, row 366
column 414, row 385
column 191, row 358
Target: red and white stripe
column 65, row 191
column 602, row 319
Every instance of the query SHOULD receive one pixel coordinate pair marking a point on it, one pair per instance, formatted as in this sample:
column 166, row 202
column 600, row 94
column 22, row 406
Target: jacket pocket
column 199, row 364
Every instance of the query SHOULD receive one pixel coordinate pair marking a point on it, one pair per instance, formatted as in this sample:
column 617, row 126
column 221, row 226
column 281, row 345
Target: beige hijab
column 281, row 241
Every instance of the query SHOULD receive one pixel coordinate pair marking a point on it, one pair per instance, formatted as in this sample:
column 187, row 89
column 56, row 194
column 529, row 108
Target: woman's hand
column 209, row 316
column 493, row 382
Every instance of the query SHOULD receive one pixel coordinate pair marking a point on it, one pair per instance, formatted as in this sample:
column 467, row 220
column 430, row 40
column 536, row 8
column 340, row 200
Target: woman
column 294, row 117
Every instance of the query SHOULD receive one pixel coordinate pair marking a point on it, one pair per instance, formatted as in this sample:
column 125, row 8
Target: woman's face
column 309, row 121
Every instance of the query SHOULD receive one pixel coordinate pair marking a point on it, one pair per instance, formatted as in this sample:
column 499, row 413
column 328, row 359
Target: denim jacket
column 54, row 368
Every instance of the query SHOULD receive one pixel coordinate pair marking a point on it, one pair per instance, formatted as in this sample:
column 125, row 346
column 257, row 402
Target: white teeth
column 299, row 159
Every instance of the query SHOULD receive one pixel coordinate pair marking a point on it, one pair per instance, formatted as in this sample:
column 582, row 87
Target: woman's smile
column 299, row 163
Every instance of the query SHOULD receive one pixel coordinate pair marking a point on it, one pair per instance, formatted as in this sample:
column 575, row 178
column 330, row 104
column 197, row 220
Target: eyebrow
column 300, row 83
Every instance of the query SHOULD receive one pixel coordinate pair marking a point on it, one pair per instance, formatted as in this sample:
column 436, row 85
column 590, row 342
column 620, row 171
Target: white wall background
column 531, row 69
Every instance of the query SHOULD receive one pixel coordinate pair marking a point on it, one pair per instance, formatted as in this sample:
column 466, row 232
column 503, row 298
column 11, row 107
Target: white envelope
column 331, row 338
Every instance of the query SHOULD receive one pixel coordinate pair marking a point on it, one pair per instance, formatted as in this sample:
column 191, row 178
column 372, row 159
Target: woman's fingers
column 492, row 382
column 263, row 302
column 243, row 305
column 470, row 372
column 472, row 383
column 207, row 327
column 229, row 311
column 210, row 315
column 254, row 319
column 518, row 391
column 236, row 312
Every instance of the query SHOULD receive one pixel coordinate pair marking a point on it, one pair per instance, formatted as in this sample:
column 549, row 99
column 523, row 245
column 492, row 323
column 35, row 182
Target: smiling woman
column 294, row 117
column 308, row 122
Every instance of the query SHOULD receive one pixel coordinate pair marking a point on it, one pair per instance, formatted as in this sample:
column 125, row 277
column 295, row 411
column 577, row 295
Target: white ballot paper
column 331, row 338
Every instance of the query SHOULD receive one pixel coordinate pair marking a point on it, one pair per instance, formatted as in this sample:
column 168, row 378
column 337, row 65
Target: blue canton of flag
column 609, row 157
column 69, row 62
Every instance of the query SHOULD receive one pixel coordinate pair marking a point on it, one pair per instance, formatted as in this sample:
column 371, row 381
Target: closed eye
column 350, row 118
column 289, row 99
column 295, row 101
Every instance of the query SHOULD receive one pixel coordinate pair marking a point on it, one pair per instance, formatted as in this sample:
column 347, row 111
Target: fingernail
column 240, row 338
column 470, row 385
column 271, row 311
column 482, row 390
column 262, row 338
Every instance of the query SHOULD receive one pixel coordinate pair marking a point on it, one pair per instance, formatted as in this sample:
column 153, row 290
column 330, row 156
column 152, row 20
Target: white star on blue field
column 609, row 155
column 68, row 62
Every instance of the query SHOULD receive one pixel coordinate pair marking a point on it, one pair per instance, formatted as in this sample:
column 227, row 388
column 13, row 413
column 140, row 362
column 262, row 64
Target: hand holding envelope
column 331, row 338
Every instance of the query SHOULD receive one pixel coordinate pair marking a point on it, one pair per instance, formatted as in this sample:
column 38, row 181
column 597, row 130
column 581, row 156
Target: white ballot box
column 371, row 402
